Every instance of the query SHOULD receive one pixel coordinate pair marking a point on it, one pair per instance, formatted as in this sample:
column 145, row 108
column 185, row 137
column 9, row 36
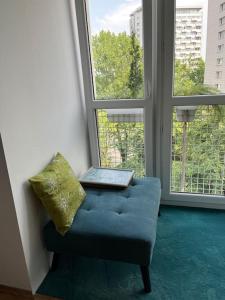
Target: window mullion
column 198, row 100
column 101, row 104
column 149, row 87
column 168, row 48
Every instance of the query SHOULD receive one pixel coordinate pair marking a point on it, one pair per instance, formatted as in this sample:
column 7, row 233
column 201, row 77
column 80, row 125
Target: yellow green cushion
column 59, row 191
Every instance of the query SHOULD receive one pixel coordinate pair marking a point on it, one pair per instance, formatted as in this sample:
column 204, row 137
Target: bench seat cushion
column 113, row 224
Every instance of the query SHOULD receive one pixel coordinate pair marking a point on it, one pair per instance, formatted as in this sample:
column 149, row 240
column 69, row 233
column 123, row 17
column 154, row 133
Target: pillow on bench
column 59, row 191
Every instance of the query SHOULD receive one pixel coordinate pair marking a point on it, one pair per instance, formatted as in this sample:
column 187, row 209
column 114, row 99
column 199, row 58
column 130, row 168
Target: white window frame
column 158, row 102
column 146, row 104
column 169, row 101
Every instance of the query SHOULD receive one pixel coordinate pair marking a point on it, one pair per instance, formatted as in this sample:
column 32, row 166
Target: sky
column 111, row 15
column 114, row 15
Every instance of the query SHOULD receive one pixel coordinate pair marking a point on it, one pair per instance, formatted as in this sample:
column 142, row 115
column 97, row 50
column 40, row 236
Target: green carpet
column 188, row 263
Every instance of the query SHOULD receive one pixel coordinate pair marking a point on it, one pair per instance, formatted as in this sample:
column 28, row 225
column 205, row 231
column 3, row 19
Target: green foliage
column 197, row 72
column 118, row 66
column 111, row 65
column 118, row 69
column 189, row 79
column 205, row 165
column 135, row 82
column 118, row 73
column 121, row 144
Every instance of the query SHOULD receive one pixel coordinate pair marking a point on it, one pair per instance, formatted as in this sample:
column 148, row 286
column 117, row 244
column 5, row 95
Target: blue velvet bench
column 113, row 224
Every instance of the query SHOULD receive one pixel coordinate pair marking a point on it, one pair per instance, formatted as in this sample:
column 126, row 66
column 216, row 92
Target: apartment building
column 136, row 24
column 188, row 32
column 215, row 51
column 189, row 22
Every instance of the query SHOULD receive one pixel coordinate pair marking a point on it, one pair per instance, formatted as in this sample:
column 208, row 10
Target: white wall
column 13, row 271
column 41, row 108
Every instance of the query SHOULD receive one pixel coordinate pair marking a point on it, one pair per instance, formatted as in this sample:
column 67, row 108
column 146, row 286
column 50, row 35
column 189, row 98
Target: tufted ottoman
column 113, row 224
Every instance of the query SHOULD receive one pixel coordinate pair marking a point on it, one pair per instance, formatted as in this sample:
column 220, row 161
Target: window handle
column 149, row 88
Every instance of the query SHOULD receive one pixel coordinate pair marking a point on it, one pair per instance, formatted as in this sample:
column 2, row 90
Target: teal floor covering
column 188, row 263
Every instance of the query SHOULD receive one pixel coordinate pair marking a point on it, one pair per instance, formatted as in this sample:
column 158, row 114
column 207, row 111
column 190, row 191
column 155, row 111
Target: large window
column 194, row 110
column 116, row 40
column 117, row 85
column 197, row 155
column 198, row 149
column 145, row 76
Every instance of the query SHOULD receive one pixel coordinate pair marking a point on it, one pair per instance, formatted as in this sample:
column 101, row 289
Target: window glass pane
column 199, row 48
column 121, row 139
column 116, row 42
column 198, row 149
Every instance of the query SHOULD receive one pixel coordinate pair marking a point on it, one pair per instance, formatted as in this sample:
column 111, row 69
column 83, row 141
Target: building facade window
column 220, row 48
column 219, row 61
column 222, row 6
column 221, row 34
column 222, row 21
column 218, row 74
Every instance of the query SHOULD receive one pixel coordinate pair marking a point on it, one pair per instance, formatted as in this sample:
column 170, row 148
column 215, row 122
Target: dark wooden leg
column 55, row 260
column 146, row 278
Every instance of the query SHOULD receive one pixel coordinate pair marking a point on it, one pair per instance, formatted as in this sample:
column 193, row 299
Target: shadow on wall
column 36, row 219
